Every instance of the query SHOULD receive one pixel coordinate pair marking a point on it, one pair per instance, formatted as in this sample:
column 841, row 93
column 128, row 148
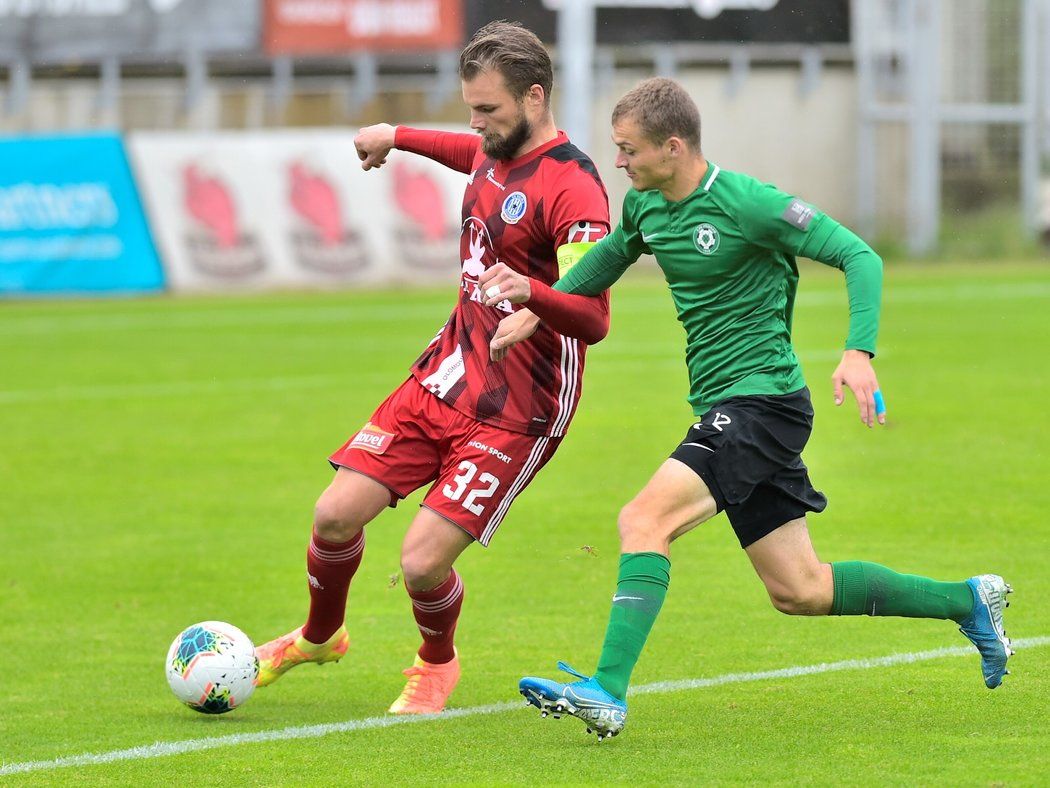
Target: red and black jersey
column 516, row 212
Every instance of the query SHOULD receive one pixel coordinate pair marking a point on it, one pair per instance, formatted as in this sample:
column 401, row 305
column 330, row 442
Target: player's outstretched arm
column 452, row 149
column 373, row 144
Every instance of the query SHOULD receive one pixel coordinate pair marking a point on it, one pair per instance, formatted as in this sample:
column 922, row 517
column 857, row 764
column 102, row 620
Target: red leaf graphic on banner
column 209, row 202
column 313, row 197
column 419, row 197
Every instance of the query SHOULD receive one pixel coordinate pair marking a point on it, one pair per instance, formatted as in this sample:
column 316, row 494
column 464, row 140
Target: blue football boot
column 984, row 626
column 601, row 712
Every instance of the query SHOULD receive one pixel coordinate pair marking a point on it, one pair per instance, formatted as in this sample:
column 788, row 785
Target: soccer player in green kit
column 727, row 245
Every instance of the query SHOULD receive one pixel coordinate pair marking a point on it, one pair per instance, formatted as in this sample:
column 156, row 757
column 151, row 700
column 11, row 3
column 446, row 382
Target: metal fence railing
column 950, row 111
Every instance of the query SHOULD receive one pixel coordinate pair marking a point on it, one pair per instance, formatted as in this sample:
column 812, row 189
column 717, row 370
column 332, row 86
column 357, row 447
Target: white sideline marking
column 161, row 749
column 824, row 667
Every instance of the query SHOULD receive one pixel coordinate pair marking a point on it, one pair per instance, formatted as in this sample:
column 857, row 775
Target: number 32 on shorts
column 486, row 486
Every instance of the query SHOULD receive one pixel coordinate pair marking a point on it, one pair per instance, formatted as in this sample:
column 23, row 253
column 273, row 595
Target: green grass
column 159, row 461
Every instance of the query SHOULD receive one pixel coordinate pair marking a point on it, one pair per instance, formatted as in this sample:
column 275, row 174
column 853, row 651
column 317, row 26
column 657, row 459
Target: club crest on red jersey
column 514, row 207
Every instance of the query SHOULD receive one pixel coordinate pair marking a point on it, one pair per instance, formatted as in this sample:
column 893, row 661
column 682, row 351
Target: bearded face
column 505, row 121
column 504, row 146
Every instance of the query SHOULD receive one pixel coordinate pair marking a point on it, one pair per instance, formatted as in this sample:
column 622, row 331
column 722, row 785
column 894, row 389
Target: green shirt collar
column 706, row 181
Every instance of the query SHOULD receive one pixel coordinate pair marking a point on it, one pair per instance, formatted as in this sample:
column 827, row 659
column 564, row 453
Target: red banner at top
column 315, row 27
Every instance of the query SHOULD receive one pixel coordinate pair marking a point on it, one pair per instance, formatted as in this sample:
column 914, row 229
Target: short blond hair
column 663, row 109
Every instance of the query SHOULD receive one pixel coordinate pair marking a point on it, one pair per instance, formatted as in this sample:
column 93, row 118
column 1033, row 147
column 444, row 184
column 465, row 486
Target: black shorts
column 748, row 452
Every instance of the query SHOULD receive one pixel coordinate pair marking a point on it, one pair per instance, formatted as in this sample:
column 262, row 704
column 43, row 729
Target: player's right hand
column 510, row 331
column 373, row 143
column 502, row 283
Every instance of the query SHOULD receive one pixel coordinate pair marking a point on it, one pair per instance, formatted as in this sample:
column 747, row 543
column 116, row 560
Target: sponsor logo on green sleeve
column 798, row 214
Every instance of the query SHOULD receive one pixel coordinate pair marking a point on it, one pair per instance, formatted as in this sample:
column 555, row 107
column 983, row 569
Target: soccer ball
column 211, row 667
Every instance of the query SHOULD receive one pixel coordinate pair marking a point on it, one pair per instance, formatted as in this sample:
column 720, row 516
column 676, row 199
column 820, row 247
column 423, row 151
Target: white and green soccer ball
column 211, row 667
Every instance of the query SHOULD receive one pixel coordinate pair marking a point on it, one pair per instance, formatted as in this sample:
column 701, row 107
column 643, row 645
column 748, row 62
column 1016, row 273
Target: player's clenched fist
column 500, row 283
column 373, row 143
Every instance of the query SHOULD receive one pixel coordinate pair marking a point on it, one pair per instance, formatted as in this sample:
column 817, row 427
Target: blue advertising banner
column 71, row 220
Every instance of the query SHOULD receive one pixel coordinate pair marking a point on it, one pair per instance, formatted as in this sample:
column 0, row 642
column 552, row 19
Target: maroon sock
column 436, row 612
column 329, row 567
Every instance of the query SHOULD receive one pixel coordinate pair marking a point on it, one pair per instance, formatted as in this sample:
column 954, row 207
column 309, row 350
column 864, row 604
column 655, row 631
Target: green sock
column 864, row 588
column 640, row 591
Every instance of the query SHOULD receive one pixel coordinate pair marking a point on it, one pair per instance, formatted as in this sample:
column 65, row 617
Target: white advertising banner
column 254, row 210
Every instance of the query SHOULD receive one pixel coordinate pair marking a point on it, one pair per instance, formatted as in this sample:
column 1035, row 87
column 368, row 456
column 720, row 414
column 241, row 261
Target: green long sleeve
column 601, row 267
column 844, row 250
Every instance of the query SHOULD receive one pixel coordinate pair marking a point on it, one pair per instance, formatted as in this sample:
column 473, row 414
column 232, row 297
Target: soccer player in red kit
column 477, row 430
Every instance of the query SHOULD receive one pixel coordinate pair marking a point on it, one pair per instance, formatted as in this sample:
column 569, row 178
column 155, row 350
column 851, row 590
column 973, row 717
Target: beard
column 504, row 148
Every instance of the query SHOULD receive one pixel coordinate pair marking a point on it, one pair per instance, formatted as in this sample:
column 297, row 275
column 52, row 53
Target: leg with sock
column 435, row 671
column 674, row 501
column 976, row 605
column 436, row 612
column 640, row 590
column 598, row 700
column 864, row 588
column 330, row 566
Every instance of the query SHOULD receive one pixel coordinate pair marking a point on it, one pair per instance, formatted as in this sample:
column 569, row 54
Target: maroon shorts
column 478, row 470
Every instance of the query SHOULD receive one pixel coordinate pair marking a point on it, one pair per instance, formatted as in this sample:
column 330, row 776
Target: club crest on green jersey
column 706, row 238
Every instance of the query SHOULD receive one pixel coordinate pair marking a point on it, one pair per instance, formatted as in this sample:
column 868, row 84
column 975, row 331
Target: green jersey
column 728, row 253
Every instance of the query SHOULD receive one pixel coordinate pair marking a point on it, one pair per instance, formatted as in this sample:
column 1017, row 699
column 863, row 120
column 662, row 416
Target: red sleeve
column 579, row 210
column 585, row 318
column 453, row 149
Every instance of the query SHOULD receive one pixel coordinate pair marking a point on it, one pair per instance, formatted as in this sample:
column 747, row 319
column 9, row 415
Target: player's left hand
column 857, row 374
column 502, row 283
column 374, row 144
column 510, row 331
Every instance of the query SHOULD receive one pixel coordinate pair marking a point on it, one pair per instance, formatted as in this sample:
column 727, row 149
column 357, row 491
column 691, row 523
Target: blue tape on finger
column 880, row 403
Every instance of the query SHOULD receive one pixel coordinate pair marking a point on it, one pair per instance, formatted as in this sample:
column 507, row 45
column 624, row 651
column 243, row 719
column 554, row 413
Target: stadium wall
column 804, row 143
column 773, row 125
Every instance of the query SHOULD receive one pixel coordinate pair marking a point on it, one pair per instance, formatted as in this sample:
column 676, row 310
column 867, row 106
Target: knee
column 422, row 570
column 635, row 522
column 802, row 599
column 334, row 522
column 641, row 529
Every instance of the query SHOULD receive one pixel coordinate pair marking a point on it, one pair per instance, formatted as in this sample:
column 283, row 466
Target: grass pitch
column 159, row 460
